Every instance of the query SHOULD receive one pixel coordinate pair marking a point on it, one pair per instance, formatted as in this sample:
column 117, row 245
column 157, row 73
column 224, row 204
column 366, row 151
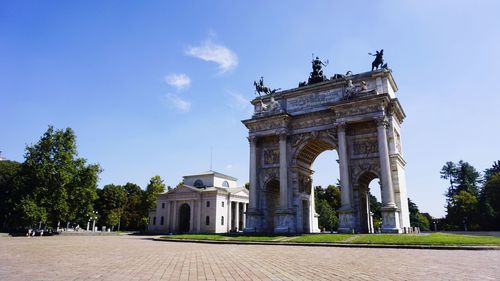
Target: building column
column 229, row 213
column 385, row 165
column 174, row 217
column 253, row 172
column 389, row 210
column 168, row 215
column 191, row 216
column 244, row 215
column 198, row 216
column 237, row 216
column 283, row 170
column 345, row 212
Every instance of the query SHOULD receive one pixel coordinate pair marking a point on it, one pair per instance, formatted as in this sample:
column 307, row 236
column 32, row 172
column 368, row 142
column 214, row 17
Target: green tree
column 111, row 203
column 328, row 219
column 417, row 219
column 464, row 181
column 155, row 187
column 57, row 180
column 10, row 193
column 489, row 202
column 133, row 213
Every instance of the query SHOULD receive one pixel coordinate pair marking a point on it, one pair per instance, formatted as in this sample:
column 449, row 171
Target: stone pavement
column 140, row 258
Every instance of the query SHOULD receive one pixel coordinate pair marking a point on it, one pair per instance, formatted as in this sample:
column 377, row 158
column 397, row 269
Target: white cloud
column 221, row 55
column 238, row 101
column 179, row 81
column 229, row 166
column 177, row 102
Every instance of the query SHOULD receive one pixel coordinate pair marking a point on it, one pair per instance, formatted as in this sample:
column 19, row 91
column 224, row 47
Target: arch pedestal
column 363, row 127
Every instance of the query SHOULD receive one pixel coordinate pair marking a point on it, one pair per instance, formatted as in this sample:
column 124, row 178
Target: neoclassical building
column 208, row 202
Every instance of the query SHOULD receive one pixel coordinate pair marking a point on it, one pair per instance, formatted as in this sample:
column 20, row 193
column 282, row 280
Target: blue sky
column 150, row 87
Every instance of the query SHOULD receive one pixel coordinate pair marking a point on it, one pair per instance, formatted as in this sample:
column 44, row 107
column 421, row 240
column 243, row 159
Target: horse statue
column 260, row 88
column 379, row 60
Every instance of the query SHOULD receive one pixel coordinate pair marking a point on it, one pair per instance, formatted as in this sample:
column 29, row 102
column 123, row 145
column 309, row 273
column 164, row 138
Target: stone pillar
column 168, row 214
column 244, row 216
column 390, row 217
column 283, row 170
column 237, row 216
column 229, row 213
column 174, row 217
column 253, row 172
column 198, row 215
column 345, row 212
column 191, row 216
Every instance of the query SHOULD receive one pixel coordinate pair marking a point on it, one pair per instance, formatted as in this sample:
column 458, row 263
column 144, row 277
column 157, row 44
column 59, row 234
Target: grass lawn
column 321, row 238
column 431, row 239
column 386, row 239
column 232, row 237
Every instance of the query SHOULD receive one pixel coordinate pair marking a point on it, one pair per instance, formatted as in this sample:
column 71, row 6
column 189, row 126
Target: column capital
column 382, row 121
column 252, row 139
column 341, row 126
column 282, row 133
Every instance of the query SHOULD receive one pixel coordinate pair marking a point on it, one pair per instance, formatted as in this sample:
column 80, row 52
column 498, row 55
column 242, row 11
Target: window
column 154, row 220
column 161, row 220
column 163, row 205
column 225, row 184
column 198, row 183
column 222, row 203
column 207, row 220
column 208, row 203
column 222, row 220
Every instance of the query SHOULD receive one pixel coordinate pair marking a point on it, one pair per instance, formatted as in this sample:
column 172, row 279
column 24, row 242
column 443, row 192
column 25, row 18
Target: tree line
column 472, row 197
column 54, row 187
column 328, row 203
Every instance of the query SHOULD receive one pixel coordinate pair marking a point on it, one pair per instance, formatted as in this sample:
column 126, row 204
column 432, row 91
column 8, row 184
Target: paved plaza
column 141, row 258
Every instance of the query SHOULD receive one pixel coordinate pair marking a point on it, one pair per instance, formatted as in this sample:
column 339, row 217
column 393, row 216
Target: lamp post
column 435, row 225
column 92, row 217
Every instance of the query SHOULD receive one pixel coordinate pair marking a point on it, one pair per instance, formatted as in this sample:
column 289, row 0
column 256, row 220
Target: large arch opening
column 184, row 218
column 272, row 197
column 315, row 168
column 369, row 198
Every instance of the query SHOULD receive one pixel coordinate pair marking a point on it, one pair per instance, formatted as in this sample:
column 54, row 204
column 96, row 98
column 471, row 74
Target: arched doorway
column 369, row 205
column 184, row 218
column 305, row 155
column 272, row 197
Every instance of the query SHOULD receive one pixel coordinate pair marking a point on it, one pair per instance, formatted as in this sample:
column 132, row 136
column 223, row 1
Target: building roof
column 214, row 173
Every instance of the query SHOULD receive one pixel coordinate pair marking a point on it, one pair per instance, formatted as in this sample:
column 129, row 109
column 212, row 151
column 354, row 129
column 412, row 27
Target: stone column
column 198, row 215
column 283, row 170
column 244, row 216
column 191, row 216
column 237, row 216
column 385, row 165
column 345, row 212
column 253, row 172
column 174, row 217
column 389, row 210
column 229, row 207
column 168, row 214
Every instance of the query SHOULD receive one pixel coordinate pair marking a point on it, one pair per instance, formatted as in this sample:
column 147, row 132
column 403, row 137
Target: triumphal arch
column 360, row 117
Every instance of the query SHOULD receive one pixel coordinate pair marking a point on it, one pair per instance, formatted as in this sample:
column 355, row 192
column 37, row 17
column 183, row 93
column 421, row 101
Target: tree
column 10, row 192
column 328, row 219
column 417, row 219
column 155, row 187
column 111, row 203
column 463, row 189
column 495, row 168
column 133, row 212
column 58, row 182
column 489, row 202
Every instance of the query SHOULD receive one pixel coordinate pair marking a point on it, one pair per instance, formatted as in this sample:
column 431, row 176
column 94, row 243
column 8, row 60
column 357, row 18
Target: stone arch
column 307, row 150
column 272, row 202
column 362, row 191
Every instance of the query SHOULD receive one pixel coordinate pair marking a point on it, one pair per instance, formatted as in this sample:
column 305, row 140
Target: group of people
column 32, row 232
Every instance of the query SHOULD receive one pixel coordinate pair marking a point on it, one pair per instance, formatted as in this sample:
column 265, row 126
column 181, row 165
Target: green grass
column 431, row 239
column 321, row 238
column 439, row 239
column 232, row 237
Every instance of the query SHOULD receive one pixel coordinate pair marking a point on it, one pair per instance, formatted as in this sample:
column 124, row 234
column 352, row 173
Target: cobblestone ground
column 140, row 258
